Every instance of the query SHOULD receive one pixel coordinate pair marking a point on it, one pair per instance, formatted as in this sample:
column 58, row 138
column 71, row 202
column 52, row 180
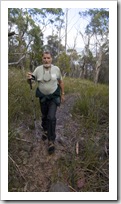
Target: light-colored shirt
column 47, row 78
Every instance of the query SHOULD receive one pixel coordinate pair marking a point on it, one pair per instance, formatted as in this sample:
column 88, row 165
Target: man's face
column 47, row 60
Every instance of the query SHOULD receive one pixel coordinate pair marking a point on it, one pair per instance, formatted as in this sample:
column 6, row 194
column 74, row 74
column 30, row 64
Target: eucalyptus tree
column 73, row 56
column 52, row 45
column 29, row 26
column 63, row 62
column 55, row 17
column 27, row 38
column 97, row 33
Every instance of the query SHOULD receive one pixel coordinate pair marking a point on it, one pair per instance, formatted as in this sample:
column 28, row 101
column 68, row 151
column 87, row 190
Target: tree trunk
column 98, row 66
column 97, row 71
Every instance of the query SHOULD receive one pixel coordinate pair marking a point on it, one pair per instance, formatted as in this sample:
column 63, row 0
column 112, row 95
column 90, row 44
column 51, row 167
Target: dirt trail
column 36, row 167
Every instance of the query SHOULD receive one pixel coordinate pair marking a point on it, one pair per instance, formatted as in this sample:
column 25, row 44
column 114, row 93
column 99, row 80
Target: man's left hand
column 62, row 98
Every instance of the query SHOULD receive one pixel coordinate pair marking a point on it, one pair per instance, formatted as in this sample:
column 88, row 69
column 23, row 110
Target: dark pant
column 48, row 109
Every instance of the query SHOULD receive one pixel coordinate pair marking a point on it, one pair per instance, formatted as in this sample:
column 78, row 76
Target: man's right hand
column 29, row 76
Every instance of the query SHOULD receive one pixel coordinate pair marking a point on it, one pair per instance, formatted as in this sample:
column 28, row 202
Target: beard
column 47, row 65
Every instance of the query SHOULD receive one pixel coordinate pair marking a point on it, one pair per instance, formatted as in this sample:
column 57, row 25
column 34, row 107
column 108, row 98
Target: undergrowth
column 88, row 171
column 21, row 101
column 93, row 101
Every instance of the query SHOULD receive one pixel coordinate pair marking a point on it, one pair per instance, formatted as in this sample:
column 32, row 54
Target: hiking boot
column 51, row 147
column 44, row 136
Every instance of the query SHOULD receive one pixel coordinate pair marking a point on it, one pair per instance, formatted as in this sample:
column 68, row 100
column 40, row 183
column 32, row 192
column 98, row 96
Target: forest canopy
column 26, row 41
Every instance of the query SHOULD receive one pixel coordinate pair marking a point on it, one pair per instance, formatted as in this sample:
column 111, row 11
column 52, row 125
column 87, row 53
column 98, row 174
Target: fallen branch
column 23, row 140
column 16, row 63
column 77, row 148
column 72, row 188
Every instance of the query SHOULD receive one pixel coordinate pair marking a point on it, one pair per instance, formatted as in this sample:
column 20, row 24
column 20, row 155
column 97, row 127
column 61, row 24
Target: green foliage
column 63, row 63
column 98, row 28
column 73, row 54
column 20, row 106
column 99, row 20
column 93, row 101
column 53, row 45
column 29, row 36
column 89, row 170
column 90, row 167
column 29, row 24
column 93, row 105
column 54, row 11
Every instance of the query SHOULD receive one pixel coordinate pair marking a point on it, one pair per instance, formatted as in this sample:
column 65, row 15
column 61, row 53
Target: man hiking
column 51, row 93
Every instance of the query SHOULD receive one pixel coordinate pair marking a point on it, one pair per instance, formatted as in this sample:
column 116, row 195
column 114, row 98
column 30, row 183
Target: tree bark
column 98, row 66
